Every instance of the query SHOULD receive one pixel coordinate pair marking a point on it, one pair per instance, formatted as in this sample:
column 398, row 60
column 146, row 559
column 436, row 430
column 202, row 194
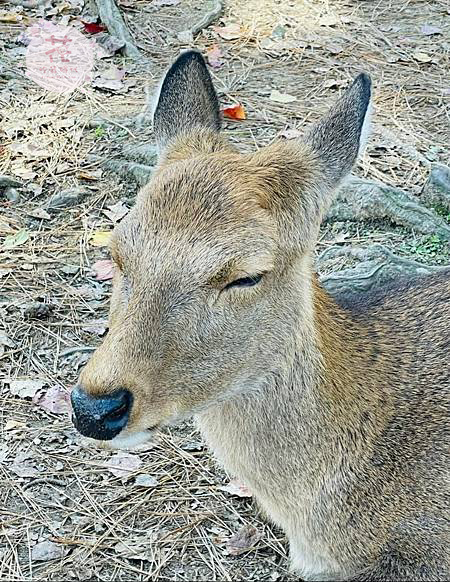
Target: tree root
column 110, row 16
column 377, row 266
column 187, row 36
column 436, row 190
column 139, row 173
column 363, row 199
column 136, row 163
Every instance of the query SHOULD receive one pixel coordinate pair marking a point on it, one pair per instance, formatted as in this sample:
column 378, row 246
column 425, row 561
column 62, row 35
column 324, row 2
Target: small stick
column 78, row 349
column 44, row 481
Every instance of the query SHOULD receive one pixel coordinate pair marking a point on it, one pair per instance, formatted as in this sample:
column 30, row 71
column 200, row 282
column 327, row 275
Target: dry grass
column 179, row 529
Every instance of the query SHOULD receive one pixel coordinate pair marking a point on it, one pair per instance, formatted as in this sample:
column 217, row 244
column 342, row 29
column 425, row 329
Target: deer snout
column 100, row 417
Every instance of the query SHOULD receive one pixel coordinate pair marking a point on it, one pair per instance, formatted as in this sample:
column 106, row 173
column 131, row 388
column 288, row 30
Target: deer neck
column 309, row 413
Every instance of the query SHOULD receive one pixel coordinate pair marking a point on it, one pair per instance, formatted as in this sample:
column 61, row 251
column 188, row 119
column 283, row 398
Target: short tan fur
column 333, row 410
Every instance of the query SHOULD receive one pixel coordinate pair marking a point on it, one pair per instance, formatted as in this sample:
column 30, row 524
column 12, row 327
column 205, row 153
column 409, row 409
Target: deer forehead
column 198, row 216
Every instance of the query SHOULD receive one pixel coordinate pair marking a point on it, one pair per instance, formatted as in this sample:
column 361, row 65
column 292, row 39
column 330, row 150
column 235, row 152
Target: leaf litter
column 187, row 502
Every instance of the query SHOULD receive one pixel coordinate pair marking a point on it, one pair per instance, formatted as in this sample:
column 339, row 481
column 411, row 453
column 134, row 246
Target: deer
column 332, row 410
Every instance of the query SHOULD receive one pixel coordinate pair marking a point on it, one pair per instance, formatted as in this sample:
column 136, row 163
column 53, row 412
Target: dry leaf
column 146, row 480
column 237, row 488
column 422, row 57
column 15, row 240
column 429, row 30
column 108, row 45
column 123, row 464
column 278, row 97
column 93, row 27
column 235, row 112
column 100, row 238
column 291, row 133
column 25, row 388
column 30, row 150
column 18, row 168
column 55, row 399
column 23, row 466
column 117, row 211
column 90, row 174
column 45, row 551
column 165, row 2
column 242, row 541
column 328, row 20
column 215, row 57
column 14, row 424
column 230, row 32
column 103, row 270
column 5, row 341
column 97, row 327
column 39, row 213
column 12, row 17
column 110, row 79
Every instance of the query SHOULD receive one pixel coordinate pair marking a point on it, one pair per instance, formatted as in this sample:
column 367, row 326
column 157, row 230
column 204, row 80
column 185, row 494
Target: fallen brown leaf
column 25, row 388
column 55, row 399
column 235, row 112
column 230, row 32
column 103, row 269
column 243, row 541
column 122, row 464
column 215, row 57
column 237, row 488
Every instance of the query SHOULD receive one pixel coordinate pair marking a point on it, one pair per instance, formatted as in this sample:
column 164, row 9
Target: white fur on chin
column 129, row 441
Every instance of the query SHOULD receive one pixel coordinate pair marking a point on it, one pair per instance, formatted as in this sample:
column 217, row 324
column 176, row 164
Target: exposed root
column 377, row 266
column 139, row 173
column 363, row 199
column 187, row 36
column 436, row 191
column 110, row 16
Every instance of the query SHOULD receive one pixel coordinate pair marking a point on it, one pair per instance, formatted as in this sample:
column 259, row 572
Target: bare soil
column 65, row 511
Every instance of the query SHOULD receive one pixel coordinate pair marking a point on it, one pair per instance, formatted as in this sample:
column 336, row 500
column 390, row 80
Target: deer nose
column 100, row 417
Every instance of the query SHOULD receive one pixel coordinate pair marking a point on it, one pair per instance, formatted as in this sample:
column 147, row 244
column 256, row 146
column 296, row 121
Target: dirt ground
column 71, row 511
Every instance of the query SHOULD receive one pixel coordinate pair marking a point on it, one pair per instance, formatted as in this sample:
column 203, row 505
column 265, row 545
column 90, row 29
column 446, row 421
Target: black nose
column 100, row 417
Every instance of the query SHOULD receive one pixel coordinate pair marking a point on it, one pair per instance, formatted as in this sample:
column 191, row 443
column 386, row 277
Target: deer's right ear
column 187, row 100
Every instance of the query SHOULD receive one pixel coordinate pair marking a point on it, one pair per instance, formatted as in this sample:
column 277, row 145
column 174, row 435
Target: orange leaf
column 235, row 112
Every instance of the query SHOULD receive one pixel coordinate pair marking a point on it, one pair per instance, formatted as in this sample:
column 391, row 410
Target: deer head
column 213, row 283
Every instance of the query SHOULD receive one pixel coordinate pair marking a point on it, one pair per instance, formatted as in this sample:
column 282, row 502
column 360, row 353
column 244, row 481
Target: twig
column 44, row 481
column 70, row 351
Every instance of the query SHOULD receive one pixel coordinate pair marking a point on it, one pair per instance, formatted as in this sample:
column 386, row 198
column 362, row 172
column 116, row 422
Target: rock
column 11, row 194
column 45, row 551
column 8, row 182
column 436, row 190
column 66, row 199
column 146, row 480
column 185, row 36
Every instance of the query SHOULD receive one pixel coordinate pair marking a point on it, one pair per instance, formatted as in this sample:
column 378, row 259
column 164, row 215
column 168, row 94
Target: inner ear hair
column 187, row 100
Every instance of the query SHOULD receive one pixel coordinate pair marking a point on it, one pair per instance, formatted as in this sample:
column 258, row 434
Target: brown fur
column 333, row 411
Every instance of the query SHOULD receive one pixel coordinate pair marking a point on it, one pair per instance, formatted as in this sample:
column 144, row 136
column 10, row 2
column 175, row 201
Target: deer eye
column 245, row 282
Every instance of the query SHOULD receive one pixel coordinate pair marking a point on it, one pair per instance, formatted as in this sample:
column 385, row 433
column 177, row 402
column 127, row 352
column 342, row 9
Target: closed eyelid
column 238, row 270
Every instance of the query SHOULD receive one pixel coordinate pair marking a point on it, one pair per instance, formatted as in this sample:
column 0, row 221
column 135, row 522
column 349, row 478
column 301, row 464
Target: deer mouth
column 130, row 440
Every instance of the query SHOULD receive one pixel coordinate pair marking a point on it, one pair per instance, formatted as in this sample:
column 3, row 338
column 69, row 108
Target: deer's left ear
column 187, row 100
column 340, row 136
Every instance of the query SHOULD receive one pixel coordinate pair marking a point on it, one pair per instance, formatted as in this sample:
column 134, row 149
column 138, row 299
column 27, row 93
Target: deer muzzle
column 100, row 417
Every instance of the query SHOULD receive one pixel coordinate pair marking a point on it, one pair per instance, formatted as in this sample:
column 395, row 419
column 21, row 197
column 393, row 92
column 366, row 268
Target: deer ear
column 340, row 136
column 187, row 100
